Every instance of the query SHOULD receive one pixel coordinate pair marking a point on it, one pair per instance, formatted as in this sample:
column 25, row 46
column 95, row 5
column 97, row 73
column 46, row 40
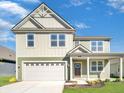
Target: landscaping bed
column 91, row 84
column 109, row 87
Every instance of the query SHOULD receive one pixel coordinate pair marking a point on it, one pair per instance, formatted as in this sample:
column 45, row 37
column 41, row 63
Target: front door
column 77, row 69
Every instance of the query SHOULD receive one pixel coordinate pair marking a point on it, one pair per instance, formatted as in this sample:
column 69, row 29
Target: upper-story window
column 54, row 40
column 30, row 40
column 77, row 43
column 57, row 40
column 97, row 46
column 61, row 40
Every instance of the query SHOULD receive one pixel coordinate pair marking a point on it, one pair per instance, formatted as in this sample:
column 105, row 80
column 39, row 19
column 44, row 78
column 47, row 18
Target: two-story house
column 47, row 49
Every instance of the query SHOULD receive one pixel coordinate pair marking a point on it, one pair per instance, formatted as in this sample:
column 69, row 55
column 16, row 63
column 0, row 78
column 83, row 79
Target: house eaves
column 76, row 38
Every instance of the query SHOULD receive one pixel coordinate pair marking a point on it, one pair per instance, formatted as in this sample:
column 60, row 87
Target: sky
column 89, row 17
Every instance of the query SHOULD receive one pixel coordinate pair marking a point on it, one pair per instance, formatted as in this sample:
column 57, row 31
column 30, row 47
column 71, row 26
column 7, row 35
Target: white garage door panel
column 44, row 71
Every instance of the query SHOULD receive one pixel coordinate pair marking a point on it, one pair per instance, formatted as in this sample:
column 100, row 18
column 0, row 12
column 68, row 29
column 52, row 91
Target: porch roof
column 76, row 38
column 81, row 48
column 109, row 55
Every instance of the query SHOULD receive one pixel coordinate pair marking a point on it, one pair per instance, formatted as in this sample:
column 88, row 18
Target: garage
column 44, row 71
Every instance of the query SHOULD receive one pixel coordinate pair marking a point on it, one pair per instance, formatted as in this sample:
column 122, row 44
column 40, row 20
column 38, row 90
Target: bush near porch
column 110, row 87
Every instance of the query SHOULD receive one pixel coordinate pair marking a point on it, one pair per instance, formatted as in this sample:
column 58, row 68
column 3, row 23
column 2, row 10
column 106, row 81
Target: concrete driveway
column 34, row 87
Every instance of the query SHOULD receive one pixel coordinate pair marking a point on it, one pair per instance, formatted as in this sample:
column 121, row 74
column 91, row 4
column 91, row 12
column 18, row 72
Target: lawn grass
column 4, row 80
column 110, row 87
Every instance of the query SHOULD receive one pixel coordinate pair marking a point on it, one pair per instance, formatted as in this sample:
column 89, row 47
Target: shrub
column 117, row 80
column 94, row 82
column 13, row 79
column 107, row 80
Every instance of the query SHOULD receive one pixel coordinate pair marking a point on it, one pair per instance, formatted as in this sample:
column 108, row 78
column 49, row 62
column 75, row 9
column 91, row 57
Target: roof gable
column 43, row 18
column 79, row 49
column 29, row 23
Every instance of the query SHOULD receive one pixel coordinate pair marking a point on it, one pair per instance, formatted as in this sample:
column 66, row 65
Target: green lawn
column 111, row 87
column 5, row 80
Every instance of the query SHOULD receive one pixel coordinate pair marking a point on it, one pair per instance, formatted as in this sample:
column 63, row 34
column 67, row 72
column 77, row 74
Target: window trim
column 57, row 41
column 27, row 40
column 97, row 61
column 97, row 46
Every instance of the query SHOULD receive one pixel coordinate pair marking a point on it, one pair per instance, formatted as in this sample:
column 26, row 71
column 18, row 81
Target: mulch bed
column 71, row 81
column 85, row 86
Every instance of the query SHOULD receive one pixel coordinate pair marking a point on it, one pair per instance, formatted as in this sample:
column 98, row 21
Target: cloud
column 6, row 38
column 88, row 8
column 81, row 25
column 31, row 1
column 5, row 34
column 110, row 13
column 13, row 8
column 76, row 3
column 5, row 24
column 117, row 4
column 122, row 8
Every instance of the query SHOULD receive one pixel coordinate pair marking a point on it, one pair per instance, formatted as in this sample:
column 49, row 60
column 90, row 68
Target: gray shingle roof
column 7, row 54
column 91, row 38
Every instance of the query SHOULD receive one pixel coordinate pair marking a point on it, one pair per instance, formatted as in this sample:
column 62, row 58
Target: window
column 77, row 43
column 30, row 40
column 97, row 46
column 93, row 66
column 61, row 40
column 77, row 65
column 100, row 65
column 54, row 40
column 93, row 46
column 57, row 40
column 97, row 66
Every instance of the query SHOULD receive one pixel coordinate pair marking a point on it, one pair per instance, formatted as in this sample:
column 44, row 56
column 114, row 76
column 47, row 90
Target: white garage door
column 44, row 71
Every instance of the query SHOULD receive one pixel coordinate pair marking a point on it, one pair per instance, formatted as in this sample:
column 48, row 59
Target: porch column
column 71, row 69
column 88, row 61
column 121, row 68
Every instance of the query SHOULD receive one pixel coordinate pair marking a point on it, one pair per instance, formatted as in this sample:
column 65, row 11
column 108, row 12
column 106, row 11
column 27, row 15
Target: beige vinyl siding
column 42, row 46
column 28, row 24
column 106, row 44
column 50, row 22
column 84, row 67
column 47, row 22
column 85, row 44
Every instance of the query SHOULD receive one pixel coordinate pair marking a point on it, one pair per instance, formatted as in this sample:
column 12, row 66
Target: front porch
column 86, row 65
column 82, row 69
column 81, row 66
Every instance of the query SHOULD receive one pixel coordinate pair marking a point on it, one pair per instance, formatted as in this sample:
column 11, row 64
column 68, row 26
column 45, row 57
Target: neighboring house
column 47, row 49
column 7, row 62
